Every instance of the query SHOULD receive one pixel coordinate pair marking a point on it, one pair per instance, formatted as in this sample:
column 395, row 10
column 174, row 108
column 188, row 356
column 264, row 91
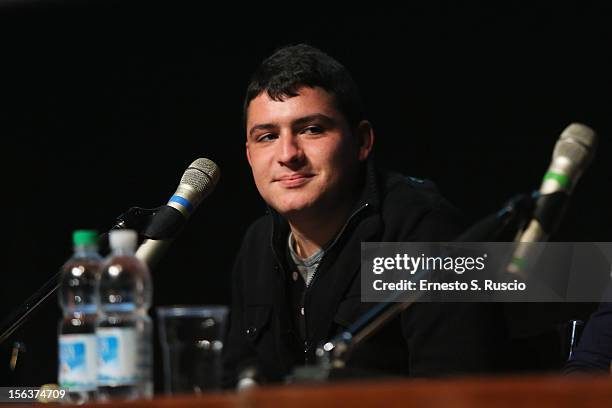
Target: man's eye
column 266, row 138
column 313, row 130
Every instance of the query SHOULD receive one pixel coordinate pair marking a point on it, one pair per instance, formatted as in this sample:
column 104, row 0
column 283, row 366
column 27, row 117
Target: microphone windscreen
column 202, row 176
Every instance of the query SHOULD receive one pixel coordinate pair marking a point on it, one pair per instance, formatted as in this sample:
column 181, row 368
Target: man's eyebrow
column 265, row 126
column 313, row 118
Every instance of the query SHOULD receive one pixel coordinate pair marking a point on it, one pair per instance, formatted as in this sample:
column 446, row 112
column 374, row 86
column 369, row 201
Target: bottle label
column 117, row 356
column 77, row 361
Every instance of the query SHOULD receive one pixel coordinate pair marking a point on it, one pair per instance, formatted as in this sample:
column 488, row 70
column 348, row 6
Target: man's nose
column 290, row 150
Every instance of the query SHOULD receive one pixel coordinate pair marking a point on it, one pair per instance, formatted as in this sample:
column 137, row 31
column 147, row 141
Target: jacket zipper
column 338, row 236
column 357, row 211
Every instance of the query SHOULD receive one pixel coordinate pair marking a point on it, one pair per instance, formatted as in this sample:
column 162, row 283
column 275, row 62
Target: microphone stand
column 334, row 354
column 135, row 218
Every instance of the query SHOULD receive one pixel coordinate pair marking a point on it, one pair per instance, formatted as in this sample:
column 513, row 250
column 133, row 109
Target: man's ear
column 248, row 154
column 365, row 138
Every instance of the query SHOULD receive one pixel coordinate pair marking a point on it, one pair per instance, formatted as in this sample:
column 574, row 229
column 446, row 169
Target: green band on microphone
column 563, row 180
column 520, row 263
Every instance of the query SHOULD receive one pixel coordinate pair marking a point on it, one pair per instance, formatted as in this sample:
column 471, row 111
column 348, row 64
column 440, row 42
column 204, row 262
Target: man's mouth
column 294, row 180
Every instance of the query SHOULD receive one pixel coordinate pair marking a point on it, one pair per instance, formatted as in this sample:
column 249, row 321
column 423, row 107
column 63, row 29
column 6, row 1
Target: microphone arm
column 21, row 314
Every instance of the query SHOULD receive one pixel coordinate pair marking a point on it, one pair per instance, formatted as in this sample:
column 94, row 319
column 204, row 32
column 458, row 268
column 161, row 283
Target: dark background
column 104, row 104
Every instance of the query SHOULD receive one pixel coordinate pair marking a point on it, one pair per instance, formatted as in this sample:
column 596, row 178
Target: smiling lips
column 294, row 180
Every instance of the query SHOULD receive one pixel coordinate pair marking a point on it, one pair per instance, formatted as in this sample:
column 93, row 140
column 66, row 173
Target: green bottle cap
column 85, row 237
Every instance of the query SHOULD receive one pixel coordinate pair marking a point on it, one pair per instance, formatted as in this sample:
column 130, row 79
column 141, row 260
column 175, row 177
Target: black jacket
column 427, row 340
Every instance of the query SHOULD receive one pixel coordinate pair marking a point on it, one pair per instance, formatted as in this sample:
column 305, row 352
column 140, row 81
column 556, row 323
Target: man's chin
column 293, row 209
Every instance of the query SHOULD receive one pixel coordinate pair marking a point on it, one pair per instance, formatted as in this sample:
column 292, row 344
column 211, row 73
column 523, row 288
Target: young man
column 296, row 279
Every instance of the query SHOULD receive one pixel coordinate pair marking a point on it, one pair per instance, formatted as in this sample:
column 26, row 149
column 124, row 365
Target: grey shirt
column 306, row 266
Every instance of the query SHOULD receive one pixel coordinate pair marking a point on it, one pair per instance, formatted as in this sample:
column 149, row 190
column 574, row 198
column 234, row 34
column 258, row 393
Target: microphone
column 573, row 152
column 198, row 181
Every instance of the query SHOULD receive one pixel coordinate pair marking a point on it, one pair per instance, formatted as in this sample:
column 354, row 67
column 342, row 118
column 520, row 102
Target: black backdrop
column 104, row 104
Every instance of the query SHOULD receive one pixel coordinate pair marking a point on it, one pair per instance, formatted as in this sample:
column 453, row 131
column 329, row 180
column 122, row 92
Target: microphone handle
column 533, row 233
column 546, row 218
column 151, row 251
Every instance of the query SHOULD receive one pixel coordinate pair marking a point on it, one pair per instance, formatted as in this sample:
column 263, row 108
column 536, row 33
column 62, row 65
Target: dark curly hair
column 292, row 67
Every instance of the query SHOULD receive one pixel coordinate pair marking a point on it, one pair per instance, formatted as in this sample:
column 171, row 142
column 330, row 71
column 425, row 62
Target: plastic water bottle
column 77, row 338
column 123, row 329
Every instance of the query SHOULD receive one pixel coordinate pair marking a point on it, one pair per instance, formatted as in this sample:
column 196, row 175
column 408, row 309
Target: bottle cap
column 85, row 237
column 123, row 239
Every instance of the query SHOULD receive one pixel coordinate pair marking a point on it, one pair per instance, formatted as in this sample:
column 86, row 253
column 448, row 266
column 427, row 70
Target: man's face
column 301, row 151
